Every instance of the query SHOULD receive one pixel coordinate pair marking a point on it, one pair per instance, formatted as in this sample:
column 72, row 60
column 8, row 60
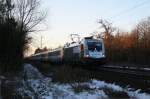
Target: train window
column 94, row 46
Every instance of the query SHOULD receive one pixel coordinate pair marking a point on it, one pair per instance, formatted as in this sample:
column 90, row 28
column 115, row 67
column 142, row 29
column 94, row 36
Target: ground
column 35, row 85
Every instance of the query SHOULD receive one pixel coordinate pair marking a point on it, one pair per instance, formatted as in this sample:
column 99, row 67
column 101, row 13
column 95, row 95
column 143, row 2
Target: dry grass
column 81, row 88
column 69, row 74
column 65, row 73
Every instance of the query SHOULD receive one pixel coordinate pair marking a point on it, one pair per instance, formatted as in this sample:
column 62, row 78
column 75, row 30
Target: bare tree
column 107, row 27
column 107, row 35
column 107, row 32
column 144, row 32
column 28, row 14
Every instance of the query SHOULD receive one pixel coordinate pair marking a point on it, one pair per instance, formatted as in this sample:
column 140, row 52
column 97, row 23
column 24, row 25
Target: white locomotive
column 88, row 50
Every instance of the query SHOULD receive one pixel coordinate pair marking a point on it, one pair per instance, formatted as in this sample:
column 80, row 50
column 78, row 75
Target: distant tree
column 45, row 49
column 142, row 32
column 128, row 47
column 38, row 50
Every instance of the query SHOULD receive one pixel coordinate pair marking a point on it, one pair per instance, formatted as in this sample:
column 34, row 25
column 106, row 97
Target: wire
column 130, row 9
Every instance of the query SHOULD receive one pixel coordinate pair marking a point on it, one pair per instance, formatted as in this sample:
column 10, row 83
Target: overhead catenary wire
column 130, row 9
column 127, row 11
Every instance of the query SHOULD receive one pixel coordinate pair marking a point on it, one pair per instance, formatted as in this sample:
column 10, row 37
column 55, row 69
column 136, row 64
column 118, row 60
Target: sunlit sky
column 80, row 16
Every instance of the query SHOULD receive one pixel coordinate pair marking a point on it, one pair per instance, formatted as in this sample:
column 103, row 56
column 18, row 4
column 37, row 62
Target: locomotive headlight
column 87, row 55
column 103, row 54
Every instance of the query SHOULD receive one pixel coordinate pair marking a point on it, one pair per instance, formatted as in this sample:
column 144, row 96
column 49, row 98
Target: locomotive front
column 93, row 51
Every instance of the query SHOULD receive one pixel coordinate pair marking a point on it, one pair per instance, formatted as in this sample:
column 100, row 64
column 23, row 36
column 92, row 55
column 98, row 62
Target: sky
column 65, row 17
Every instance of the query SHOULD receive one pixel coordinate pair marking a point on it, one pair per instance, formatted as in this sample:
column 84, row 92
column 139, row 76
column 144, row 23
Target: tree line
column 127, row 47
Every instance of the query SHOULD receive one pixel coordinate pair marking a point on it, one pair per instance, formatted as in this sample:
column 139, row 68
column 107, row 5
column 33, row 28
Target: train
column 87, row 51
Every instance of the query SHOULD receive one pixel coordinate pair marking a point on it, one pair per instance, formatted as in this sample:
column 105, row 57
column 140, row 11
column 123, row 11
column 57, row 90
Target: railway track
column 137, row 73
column 136, row 78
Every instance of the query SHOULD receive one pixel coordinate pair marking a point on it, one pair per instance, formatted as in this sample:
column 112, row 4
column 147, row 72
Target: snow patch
column 138, row 95
column 99, row 94
column 101, row 84
column 66, row 91
column 31, row 72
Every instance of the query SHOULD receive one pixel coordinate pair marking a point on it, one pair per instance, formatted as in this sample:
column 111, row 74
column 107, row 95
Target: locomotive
column 88, row 50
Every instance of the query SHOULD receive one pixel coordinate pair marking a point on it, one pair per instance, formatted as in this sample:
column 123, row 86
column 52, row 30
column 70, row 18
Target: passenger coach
column 88, row 50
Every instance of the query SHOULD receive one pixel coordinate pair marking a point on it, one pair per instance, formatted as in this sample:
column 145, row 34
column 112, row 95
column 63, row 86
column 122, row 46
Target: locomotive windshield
column 92, row 46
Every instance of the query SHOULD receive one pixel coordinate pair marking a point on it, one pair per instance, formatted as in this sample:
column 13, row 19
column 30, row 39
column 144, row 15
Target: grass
column 65, row 73
column 69, row 74
column 81, row 88
column 116, row 94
